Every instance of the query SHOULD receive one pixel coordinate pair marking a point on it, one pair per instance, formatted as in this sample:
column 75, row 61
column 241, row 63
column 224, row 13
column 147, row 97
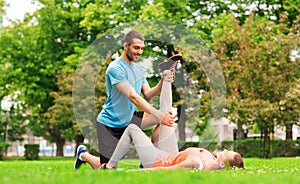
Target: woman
column 154, row 158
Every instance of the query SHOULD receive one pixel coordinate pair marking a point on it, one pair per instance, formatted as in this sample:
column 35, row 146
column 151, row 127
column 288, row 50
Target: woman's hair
column 237, row 161
column 131, row 35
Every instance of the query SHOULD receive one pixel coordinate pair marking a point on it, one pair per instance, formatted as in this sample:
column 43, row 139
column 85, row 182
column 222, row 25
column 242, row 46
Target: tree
column 257, row 67
column 17, row 124
column 61, row 115
column 2, row 11
column 62, row 36
column 289, row 109
column 12, row 121
column 34, row 52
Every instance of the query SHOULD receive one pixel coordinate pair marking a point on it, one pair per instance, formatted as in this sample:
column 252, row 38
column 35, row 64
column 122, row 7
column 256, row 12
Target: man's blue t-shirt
column 118, row 109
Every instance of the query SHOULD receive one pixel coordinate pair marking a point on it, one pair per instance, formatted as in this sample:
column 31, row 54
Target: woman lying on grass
column 162, row 153
column 167, row 157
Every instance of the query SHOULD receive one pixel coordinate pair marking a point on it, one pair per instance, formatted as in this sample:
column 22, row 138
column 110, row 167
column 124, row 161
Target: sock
column 80, row 158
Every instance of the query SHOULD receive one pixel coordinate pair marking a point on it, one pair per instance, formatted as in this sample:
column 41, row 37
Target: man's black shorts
column 108, row 137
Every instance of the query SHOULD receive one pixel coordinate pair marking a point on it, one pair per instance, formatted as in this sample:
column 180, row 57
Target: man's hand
column 169, row 75
column 168, row 118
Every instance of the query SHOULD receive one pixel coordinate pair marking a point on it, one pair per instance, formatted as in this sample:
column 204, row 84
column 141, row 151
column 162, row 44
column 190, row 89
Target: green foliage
column 259, row 71
column 61, row 115
column 54, row 36
column 2, row 126
column 2, row 11
column 3, row 146
column 289, row 106
column 32, row 151
column 255, row 148
column 17, row 124
column 288, row 148
column 211, row 146
column 251, row 147
column 14, row 122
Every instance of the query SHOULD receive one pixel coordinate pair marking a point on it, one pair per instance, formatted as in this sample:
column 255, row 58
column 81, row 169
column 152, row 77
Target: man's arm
column 150, row 93
column 164, row 117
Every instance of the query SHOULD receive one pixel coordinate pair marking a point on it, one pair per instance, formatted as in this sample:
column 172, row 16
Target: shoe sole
column 167, row 64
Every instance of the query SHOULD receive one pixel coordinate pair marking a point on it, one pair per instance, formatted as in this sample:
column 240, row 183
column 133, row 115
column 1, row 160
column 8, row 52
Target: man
column 164, row 156
column 125, row 81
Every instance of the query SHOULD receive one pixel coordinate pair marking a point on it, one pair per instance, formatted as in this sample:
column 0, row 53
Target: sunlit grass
column 60, row 170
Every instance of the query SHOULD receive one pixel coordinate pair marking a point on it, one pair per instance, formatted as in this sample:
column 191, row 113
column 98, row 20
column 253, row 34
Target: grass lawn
column 60, row 170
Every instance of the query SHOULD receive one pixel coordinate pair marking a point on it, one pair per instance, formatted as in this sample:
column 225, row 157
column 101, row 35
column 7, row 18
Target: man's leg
column 147, row 152
column 108, row 139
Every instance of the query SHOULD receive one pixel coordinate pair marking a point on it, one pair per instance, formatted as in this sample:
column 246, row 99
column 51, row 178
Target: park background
column 256, row 43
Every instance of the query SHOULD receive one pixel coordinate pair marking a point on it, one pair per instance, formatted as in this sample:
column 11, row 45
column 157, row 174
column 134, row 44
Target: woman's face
column 225, row 156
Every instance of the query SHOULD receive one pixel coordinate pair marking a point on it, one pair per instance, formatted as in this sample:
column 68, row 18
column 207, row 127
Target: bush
column 255, row 148
column 251, row 147
column 288, row 148
column 229, row 145
column 32, row 151
column 211, row 146
column 3, row 145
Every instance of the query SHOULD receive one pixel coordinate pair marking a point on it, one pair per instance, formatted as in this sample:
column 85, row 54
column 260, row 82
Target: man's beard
column 130, row 58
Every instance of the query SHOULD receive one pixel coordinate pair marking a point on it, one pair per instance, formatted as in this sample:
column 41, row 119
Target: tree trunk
column 289, row 132
column 60, row 147
column 181, row 122
column 240, row 132
column 266, row 143
column 79, row 139
column 182, row 107
column 59, row 141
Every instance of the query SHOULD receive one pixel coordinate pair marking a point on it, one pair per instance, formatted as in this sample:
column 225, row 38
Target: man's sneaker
column 170, row 64
column 78, row 161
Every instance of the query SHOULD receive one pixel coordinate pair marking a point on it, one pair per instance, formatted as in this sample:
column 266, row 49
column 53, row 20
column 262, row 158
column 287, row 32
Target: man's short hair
column 131, row 35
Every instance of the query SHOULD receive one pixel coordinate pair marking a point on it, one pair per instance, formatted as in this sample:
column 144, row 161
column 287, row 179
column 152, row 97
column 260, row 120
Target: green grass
column 60, row 170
